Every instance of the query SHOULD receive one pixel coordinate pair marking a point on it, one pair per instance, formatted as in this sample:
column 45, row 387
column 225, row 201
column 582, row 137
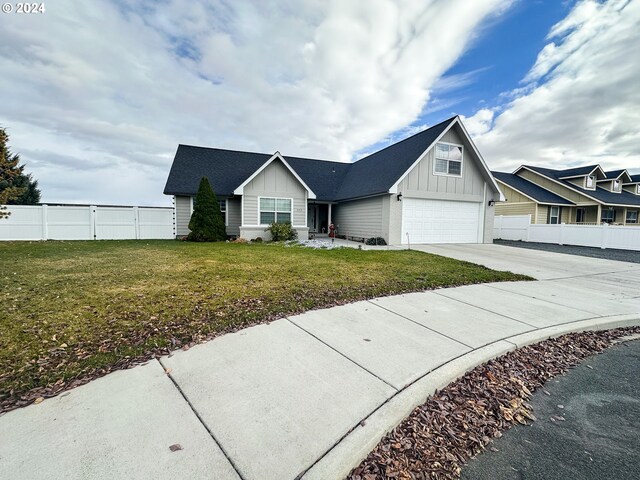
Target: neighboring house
column 582, row 195
column 433, row 187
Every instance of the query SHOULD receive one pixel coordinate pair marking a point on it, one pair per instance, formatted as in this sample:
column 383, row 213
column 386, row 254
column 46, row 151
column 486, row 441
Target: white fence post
column 528, row 233
column 605, row 236
column 93, row 221
column 45, row 228
column 561, row 232
column 136, row 220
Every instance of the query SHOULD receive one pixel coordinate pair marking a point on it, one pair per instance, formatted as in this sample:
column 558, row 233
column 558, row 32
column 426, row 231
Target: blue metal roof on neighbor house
column 613, row 174
column 600, row 194
column 635, row 178
column 530, row 189
column 330, row 181
column 576, row 172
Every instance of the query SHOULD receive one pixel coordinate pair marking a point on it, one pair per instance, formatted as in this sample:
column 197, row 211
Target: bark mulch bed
column 459, row 421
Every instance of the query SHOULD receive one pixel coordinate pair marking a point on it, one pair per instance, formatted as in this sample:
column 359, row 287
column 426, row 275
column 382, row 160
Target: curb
column 356, row 445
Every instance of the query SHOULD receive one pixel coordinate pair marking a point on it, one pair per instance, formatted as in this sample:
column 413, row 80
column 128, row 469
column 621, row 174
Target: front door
column 312, row 218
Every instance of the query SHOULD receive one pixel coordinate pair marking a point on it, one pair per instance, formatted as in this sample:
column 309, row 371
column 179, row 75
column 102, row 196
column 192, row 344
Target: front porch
column 599, row 214
column 319, row 218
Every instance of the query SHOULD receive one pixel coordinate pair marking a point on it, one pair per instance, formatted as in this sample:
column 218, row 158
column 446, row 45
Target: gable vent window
column 638, row 189
column 275, row 210
column 448, row 159
column 616, row 185
column 590, row 181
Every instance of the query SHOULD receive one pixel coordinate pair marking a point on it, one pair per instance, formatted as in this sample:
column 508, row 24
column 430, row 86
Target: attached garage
column 441, row 221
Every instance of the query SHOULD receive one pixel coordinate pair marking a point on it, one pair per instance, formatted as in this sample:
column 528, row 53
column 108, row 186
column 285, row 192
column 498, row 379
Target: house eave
column 456, row 120
column 276, row 156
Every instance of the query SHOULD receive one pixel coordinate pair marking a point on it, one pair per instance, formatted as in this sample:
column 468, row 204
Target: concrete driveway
column 309, row 396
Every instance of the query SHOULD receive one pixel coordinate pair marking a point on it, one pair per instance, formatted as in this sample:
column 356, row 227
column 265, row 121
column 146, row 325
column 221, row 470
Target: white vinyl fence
column 519, row 227
column 86, row 222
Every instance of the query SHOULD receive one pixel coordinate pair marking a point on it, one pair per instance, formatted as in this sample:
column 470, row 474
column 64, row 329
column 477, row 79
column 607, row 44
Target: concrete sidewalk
column 310, row 395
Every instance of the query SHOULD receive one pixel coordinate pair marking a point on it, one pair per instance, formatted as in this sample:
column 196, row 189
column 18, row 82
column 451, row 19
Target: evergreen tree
column 16, row 187
column 30, row 191
column 207, row 222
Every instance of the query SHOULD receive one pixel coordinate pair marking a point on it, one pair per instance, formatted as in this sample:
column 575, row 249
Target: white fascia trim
column 609, row 179
column 484, row 164
column 266, row 226
column 624, row 172
column 394, row 187
column 240, row 189
column 533, row 199
column 561, row 184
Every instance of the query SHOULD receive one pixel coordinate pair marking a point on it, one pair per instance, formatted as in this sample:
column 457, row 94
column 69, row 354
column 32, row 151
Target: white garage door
column 440, row 221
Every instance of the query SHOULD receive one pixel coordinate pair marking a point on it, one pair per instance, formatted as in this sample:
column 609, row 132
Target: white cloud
column 580, row 102
column 480, row 123
column 97, row 95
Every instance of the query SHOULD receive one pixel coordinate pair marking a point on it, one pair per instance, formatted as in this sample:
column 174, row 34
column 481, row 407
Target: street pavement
column 308, row 396
column 587, row 426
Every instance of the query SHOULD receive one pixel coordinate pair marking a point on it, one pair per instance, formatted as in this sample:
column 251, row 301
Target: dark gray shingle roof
column 604, row 196
column 530, row 189
column 371, row 175
column 225, row 169
column 377, row 172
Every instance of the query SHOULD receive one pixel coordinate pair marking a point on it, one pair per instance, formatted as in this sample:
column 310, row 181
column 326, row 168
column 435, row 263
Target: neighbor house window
column 580, row 215
column 590, row 181
column 554, row 215
column 448, row 159
column 275, row 210
column 632, row 216
column 638, row 189
column 608, row 215
column 616, row 185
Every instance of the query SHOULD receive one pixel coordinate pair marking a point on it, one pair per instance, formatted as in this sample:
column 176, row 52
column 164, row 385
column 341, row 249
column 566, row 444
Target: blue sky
column 494, row 63
column 97, row 95
column 502, row 55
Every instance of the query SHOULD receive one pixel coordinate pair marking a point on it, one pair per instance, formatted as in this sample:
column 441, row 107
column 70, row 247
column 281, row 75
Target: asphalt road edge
column 356, row 445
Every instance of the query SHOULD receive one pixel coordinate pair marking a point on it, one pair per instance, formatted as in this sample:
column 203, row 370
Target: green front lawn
column 78, row 309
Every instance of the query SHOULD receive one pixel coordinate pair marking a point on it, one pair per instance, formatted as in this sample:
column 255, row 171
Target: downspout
column 484, row 212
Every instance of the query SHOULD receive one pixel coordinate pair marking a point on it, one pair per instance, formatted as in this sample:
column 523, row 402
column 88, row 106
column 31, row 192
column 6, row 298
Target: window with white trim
column 448, row 159
column 275, row 210
column 638, row 189
column 590, row 182
column 632, row 216
column 616, row 185
column 554, row 215
column 608, row 215
column 223, row 210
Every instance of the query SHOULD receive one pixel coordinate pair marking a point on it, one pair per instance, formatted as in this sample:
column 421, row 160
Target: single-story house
column 432, row 187
column 581, row 195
